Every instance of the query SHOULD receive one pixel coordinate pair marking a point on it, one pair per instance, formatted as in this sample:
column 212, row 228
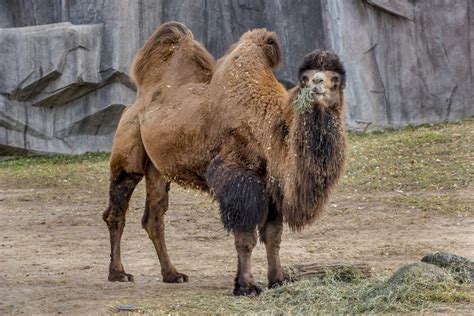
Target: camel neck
column 306, row 154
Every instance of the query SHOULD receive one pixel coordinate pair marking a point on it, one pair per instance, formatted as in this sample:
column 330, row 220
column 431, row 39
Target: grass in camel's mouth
column 303, row 100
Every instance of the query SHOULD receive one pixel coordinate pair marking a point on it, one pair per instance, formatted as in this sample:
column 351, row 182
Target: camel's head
column 322, row 79
column 324, row 86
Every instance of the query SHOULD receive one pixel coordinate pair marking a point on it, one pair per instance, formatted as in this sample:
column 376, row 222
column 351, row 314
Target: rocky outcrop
column 408, row 62
column 64, row 64
column 461, row 267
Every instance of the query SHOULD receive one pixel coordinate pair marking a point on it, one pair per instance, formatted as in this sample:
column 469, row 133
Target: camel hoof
column 279, row 281
column 120, row 277
column 252, row 290
column 175, row 278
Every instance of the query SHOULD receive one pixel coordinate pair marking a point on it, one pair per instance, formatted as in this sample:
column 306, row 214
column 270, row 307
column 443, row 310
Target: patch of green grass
column 432, row 158
column 327, row 295
column 19, row 161
column 66, row 171
column 443, row 203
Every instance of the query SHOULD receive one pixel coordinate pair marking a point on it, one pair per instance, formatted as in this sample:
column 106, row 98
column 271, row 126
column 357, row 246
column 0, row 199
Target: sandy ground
column 54, row 247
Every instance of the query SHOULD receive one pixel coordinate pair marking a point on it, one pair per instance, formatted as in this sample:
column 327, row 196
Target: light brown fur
column 235, row 134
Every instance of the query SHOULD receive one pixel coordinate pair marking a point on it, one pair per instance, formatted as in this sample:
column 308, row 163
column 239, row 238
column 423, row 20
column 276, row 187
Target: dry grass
column 435, row 159
column 329, row 295
column 302, row 102
column 428, row 158
column 55, row 171
column 442, row 203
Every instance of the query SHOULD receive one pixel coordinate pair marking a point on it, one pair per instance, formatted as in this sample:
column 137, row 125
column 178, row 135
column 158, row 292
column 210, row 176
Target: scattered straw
column 330, row 295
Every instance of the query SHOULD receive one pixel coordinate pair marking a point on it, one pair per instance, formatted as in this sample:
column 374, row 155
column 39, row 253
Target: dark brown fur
column 235, row 135
column 323, row 60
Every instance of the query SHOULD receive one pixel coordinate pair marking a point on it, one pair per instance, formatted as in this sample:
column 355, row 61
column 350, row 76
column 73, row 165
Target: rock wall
column 64, row 63
column 408, row 62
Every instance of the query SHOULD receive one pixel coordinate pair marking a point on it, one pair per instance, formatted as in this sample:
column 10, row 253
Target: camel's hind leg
column 127, row 163
column 122, row 185
column 153, row 222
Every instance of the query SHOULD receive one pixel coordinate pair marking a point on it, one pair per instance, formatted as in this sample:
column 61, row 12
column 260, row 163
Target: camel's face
column 325, row 86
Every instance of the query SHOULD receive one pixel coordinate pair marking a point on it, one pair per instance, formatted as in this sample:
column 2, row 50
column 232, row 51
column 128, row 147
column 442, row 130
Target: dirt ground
column 54, row 247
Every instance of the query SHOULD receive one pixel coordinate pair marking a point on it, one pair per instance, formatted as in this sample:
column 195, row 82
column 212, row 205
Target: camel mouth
column 316, row 94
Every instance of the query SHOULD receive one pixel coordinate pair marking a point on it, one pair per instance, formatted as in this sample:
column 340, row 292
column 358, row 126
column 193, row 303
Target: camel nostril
column 317, row 90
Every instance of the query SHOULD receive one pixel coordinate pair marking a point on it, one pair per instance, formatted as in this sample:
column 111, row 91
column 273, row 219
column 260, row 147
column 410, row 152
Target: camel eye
column 304, row 79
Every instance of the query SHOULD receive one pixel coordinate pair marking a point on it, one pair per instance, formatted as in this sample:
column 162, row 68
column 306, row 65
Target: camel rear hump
column 157, row 49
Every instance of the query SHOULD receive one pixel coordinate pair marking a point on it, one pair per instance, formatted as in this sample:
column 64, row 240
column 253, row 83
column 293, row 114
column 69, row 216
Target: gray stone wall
column 64, row 63
column 407, row 64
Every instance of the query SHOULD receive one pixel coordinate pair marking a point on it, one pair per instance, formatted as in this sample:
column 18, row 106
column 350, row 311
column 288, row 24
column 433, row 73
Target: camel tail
column 157, row 49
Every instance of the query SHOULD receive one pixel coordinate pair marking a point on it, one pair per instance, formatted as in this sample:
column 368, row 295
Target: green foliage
column 19, row 161
column 434, row 158
column 67, row 171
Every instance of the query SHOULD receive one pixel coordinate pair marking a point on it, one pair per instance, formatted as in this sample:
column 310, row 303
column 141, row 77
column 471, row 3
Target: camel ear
column 303, row 80
column 272, row 50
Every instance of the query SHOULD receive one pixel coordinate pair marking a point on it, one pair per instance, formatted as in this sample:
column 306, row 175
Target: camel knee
column 246, row 246
column 105, row 214
column 152, row 220
column 271, row 231
column 115, row 214
column 245, row 242
column 153, row 228
column 114, row 218
column 121, row 188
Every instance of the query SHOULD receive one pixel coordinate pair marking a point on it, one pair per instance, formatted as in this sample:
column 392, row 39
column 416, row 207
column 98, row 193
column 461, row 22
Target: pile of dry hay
column 416, row 287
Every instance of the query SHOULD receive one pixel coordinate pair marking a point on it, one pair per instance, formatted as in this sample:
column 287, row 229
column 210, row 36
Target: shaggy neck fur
column 305, row 159
column 314, row 162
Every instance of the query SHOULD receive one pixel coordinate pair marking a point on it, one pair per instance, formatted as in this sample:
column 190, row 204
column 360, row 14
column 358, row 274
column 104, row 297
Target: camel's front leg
column 270, row 234
column 243, row 206
column 244, row 282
